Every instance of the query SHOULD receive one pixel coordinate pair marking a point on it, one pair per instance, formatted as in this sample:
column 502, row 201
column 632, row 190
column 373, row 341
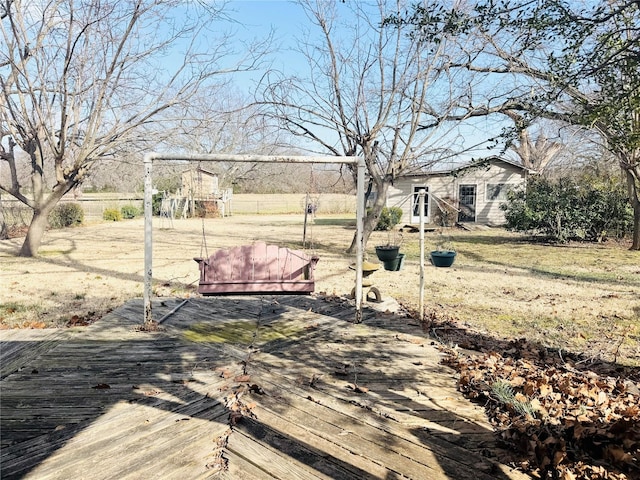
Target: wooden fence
column 94, row 204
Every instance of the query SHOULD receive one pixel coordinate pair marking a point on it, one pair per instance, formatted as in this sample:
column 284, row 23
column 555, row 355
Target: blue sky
column 283, row 15
column 255, row 19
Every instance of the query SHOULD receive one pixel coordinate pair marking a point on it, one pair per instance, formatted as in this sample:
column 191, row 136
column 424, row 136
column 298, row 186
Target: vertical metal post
column 192, row 194
column 421, row 209
column 360, row 210
column 306, row 217
column 148, row 229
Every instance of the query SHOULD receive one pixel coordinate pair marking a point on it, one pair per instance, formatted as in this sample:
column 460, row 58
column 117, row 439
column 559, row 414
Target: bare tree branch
column 82, row 81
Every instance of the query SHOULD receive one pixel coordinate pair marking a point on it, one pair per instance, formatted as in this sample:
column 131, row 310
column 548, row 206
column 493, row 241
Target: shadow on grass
column 605, row 278
column 493, row 239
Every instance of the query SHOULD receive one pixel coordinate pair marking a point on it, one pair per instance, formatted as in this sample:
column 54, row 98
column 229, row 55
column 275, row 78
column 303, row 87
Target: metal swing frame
column 150, row 157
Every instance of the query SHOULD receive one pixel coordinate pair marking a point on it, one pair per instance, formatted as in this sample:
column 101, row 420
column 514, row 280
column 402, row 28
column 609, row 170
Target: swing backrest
column 257, row 268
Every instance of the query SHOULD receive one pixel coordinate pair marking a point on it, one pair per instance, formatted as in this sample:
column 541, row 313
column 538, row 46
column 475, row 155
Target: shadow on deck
column 239, row 387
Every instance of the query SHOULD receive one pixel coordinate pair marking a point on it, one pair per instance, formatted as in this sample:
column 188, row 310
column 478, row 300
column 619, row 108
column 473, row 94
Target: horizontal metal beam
column 220, row 157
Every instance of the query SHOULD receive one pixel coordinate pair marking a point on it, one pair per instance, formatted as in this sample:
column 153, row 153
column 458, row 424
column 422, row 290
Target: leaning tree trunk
column 39, row 223
column 633, row 184
column 371, row 219
column 32, row 241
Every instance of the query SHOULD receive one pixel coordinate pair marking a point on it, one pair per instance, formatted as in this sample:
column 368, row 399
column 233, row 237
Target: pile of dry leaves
column 566, row 418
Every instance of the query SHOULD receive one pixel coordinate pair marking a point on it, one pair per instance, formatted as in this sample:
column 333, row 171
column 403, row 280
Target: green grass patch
column 22, row 315
column 10, row 308
column 582, row 262
column 54, row 253
column 336, row 222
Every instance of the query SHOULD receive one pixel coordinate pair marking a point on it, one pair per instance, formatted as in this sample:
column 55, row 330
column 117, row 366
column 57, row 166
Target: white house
column 470, row 193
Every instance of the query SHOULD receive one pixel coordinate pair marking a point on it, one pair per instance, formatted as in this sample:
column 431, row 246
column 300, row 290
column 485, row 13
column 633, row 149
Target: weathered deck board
column 240, row 466
column 19, row 347
column 371, row 431
column 343, row 446
column 109, row 401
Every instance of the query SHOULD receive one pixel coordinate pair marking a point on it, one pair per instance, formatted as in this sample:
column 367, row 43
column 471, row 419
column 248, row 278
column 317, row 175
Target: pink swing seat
column 257, row 269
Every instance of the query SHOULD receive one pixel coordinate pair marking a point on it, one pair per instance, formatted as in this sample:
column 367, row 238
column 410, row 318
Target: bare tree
column 84, row 80
column 222, row 120
column 370, row 90
column 534, row 154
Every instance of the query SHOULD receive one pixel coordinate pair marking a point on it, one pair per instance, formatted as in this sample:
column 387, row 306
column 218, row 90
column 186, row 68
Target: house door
column 467, row 202
column 415, row 207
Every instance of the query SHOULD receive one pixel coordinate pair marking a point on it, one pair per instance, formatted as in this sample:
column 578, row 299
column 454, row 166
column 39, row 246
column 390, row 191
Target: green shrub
column 156, row 204
column 130, row 211
column 389, row 218
column 112, row 215
column 585, row 208
column 66, row 215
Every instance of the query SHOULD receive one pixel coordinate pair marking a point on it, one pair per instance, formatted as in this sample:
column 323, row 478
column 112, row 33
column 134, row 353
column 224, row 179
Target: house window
column 497, row 191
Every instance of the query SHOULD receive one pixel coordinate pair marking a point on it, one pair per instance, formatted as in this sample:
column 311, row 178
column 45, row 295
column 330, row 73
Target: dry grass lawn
column 583, row 298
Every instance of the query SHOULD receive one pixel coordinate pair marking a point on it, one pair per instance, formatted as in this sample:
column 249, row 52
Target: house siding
column 446, row 186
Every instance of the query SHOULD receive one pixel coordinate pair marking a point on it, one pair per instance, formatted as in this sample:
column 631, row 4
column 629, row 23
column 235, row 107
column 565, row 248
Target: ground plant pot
column 441, row 258
column 386, row 253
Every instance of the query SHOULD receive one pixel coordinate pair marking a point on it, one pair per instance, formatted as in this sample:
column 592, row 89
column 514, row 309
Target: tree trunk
column 39, row 222
column 371, row 219
column 32, row 241
column 633, row 181
column 635, row 244
column 4, row 231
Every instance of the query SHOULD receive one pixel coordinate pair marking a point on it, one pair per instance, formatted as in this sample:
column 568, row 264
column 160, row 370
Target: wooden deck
column 238, row 388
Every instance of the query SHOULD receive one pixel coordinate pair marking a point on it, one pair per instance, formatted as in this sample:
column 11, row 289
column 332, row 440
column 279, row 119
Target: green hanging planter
column 387, row 253
column 443, row 258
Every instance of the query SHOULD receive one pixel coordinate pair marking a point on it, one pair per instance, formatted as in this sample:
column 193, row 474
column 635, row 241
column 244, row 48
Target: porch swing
column 357, row 163
column 256, row 269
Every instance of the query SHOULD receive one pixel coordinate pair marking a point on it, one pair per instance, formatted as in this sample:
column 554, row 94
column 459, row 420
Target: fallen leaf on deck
column 101, row 386
column 255, row 388
column 357, row 388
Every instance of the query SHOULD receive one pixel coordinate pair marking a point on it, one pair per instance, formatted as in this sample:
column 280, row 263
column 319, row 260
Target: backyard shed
column 469, row 193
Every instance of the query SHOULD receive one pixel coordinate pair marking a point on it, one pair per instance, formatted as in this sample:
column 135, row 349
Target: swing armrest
column 310, row 268
column 203, row 263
